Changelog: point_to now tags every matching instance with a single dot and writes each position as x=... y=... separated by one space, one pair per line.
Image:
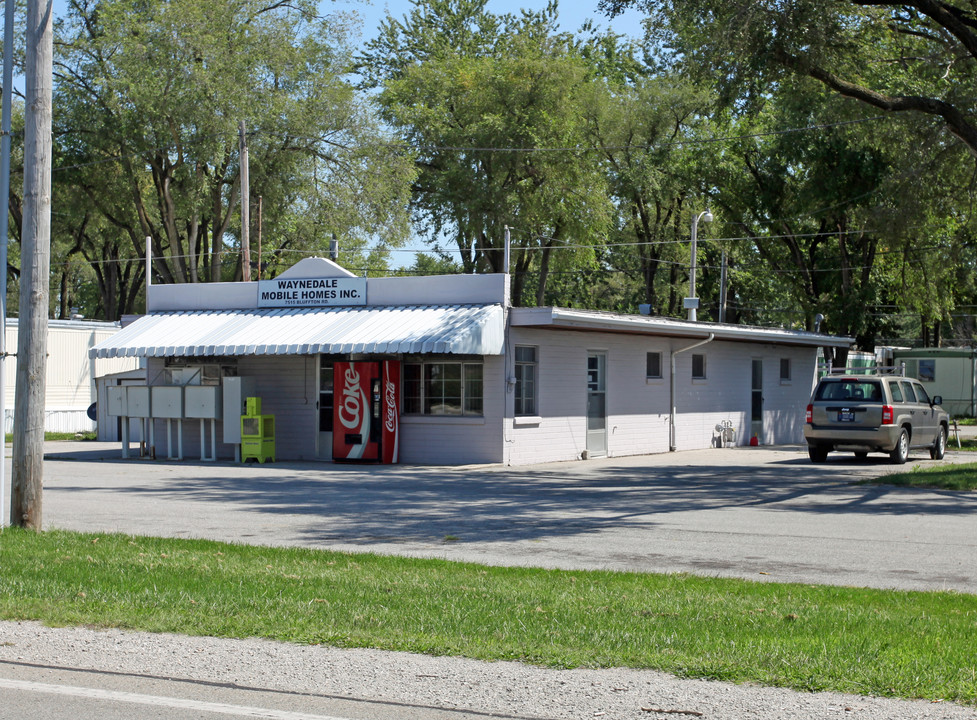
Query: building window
x=927 y=370
x=442 y=388
x=525 y=390
x=698 y=367
x=784 y=369
x=653 y=365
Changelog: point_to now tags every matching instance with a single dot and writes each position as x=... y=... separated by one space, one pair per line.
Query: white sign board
x=311 y=292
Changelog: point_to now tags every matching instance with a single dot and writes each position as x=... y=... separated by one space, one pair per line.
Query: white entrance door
x=596 y=404
x=325 y=408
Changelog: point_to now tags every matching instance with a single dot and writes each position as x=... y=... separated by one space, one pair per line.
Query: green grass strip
x=946 y=477
x=48 y=436
x=907 y=644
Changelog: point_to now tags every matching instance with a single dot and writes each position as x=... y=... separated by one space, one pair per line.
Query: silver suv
x=874 y=413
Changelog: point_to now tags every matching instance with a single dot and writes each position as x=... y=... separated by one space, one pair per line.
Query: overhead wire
x=564 y=244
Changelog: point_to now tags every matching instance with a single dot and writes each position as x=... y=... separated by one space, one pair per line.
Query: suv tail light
x=809 y=416
x=888 y=413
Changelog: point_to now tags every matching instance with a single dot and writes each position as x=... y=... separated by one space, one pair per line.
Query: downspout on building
x=671 y=389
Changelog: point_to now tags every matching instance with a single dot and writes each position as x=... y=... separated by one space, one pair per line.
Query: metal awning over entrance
x=441 y=329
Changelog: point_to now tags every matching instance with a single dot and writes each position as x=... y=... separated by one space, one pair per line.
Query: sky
x=572 y=14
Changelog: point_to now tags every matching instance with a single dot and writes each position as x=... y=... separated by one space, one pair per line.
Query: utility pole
x=28 y=453
x=258 y=265
x=245 y=208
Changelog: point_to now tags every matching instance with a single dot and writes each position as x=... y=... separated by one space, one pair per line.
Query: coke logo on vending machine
x=351 y=407
x=390 y=396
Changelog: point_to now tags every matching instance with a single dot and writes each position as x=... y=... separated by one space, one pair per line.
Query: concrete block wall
x=464 y=440
x=638 y=407
x=286 y=386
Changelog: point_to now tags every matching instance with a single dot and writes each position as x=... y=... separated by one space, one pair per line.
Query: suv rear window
x=850 y=391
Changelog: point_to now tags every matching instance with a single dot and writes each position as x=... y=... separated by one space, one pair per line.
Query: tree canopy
x=150 y=96
x=917 y=56
x=833 y=141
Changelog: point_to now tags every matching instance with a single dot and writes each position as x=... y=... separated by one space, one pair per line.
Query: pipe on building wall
x=671 y=386
x=973 y=384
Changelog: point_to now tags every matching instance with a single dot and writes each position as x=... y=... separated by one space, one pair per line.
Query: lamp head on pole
x=692 y=302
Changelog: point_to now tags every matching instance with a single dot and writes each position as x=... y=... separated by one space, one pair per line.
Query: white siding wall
x=461 y=440
x=286 y=386
x=69 y=376
x=288 y=390
x=785 y=401
x=638 y=408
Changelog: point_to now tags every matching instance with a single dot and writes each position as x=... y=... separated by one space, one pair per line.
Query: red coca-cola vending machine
x=366 y=411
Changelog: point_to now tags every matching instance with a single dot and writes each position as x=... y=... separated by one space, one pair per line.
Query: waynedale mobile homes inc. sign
x=311 y=292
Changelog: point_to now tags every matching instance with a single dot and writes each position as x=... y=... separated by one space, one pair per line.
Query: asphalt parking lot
x=765 y=514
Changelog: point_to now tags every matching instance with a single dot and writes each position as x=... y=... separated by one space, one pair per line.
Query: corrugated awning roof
x=451 y=329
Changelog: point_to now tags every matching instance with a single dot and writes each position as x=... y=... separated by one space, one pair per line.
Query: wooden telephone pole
x=28 y=452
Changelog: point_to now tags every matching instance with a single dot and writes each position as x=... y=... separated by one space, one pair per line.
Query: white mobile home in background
x=950 y=372
x=70 y=373
x=481 y=381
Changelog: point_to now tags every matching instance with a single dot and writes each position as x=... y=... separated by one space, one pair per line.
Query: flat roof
x=597 y=321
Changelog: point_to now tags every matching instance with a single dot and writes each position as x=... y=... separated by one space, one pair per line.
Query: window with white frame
x=525 y=371
x=442 y=388
x=653 y=365
x=698 y=367
x=784 y=369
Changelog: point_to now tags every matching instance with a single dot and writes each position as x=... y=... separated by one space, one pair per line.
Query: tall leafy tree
x=491 y=106
x=150 y=95
x=643 y=129
x=915 y=56
x=904 y=244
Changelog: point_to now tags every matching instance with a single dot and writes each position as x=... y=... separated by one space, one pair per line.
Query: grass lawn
x=907 y=644
x=966 y=444
x=946 y=477
x=85 y=436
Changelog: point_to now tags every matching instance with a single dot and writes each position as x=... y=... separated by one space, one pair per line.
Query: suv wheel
x=939 y=447
x=817 y=453
x=901 y=452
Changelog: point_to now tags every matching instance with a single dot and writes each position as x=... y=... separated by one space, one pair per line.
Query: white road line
x=196 y=705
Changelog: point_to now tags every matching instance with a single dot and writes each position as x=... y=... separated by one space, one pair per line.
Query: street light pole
x=692 y=302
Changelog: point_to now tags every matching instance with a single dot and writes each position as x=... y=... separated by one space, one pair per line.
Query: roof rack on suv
x=828 y=369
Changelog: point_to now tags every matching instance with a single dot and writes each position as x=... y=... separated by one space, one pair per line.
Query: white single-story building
x=478 y=381
x=69 y=375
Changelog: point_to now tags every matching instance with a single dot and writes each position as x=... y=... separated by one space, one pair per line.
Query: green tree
x=491 y=106
x=149 y=96
x=908 y=243
x=643 y=128
x=811 y=204
x=916 y=56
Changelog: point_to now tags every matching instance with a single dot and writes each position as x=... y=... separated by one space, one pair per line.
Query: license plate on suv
x=846 y=416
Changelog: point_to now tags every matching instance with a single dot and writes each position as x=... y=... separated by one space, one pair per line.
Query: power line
x=402 y=145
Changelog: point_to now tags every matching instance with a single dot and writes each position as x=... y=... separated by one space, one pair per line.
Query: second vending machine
x=366 y=411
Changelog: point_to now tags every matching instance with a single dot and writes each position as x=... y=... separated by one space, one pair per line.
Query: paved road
x=760 y=513
x=764 y=514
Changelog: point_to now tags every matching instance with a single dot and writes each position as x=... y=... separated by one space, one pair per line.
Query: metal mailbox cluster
x=173 y=403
